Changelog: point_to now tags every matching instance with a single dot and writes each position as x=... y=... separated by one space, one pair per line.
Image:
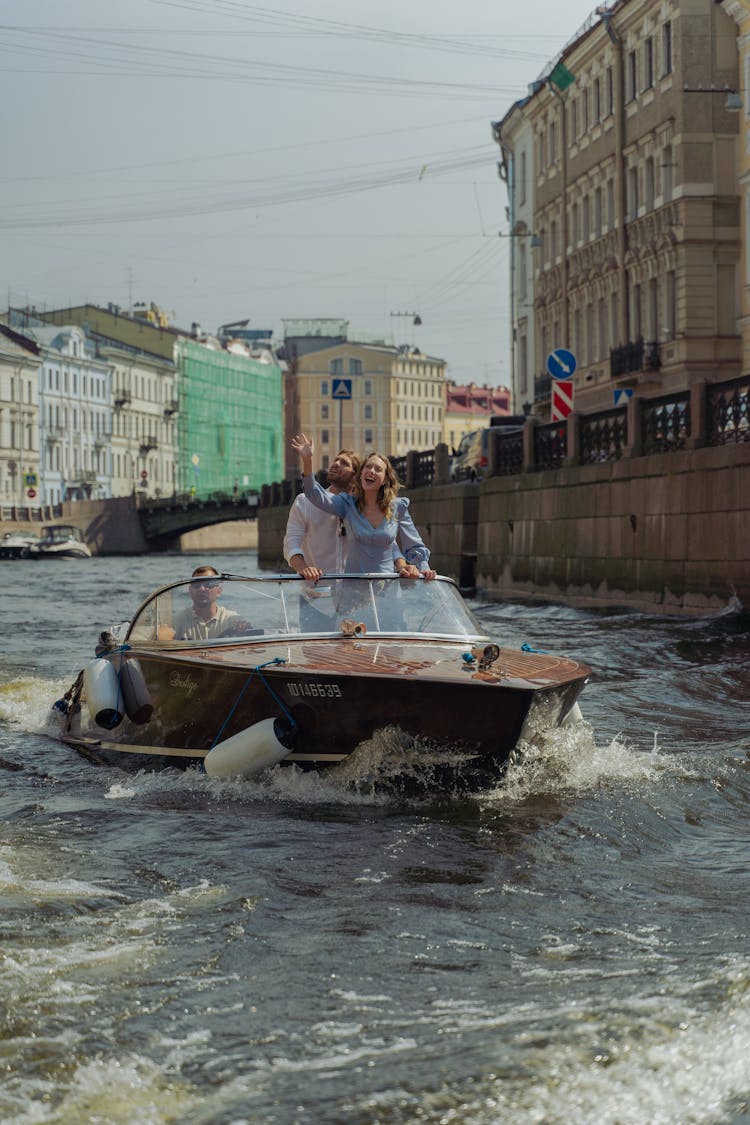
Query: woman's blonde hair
x=388 y=490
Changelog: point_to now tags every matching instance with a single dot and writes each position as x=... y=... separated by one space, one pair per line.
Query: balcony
x=121 y=398
x=542 y=388
x=171 y=408
x=147 y=444
x=54 y=434
x=633 y=358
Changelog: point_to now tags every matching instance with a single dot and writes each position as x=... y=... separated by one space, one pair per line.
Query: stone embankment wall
x=665 y=533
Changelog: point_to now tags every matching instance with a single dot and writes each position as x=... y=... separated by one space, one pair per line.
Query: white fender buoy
x=135 y=696
x=101 y=690
x=249 y=751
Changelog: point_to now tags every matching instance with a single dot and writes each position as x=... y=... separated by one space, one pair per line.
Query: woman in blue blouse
x=374 y=517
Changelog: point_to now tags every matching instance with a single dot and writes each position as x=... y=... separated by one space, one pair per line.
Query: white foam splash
x=568 y=760
x=117 y=792
x=26 y=704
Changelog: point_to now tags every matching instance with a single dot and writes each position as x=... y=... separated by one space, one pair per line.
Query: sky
x=230 y=160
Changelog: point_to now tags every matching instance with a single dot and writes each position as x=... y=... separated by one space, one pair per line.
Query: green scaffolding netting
x=230 y=421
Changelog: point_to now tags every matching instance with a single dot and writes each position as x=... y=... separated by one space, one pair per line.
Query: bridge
x=164 y=520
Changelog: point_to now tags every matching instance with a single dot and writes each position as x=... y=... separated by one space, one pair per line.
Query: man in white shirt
x=314 y=542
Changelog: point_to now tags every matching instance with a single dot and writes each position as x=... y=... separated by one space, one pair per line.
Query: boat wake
x=568 y=760
x=25 y=704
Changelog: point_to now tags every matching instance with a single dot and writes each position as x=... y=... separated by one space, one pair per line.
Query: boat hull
x=337 y=695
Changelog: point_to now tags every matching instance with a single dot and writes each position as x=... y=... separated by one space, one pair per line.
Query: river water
x=570 y=946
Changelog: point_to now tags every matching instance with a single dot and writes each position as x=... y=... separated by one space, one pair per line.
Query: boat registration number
x=319 y=690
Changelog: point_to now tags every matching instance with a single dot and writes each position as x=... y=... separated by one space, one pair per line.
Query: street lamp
x=733 y=101
x=415 y=318
x=536 y=239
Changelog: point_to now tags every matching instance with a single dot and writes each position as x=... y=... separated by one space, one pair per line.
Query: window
x=368 y=386
x=586 y=209
x=552 y=142
x=631 y=76
x=355 y=366
x=653 y=311
x=596 y=100
x=523 y=364
x=667 y=169
x=670 y=305
x=602 y=349
x=585 y=111
x=522 y=178
x=648 y=63
x=666 y=48
x=610 y=91
x=324 y=437
x=648 y=184
x=610 y=204
x=324 y=388
x=614 y=313
x=553 y=241
x=636 y=328
x=590 y=329
x=336 y=367
x=324 y=412
x=368 y=437
x=368 y=411
x=598 y=213
x=632 y=193
x=574 y=119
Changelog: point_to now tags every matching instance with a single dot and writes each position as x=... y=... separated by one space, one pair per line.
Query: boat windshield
x=61 y=533
x=230 y=608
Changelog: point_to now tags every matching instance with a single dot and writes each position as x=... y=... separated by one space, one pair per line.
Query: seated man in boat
x=205 y=619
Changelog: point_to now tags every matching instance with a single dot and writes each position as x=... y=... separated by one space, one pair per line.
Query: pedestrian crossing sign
x=342 y=388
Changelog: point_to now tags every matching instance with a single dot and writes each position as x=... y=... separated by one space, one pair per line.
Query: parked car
x=471 y=460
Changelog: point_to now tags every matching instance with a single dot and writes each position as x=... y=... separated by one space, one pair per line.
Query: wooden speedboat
x=301 y=674
x=60 y=541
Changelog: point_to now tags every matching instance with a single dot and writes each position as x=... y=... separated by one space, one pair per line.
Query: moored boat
x=280 y=670
x=17 y=544
x=60 y=541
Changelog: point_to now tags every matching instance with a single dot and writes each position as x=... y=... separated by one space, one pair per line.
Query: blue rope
x=529 y=648
x=243 y=689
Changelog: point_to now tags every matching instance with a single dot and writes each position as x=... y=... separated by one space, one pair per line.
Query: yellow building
x=366 y=397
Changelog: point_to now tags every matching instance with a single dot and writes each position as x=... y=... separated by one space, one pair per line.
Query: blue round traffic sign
x=561 y=363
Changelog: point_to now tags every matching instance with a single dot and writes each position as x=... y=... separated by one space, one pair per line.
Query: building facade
x=368 y=397
x=20 y=470
x=144 y=410
x=75 y=414
x=739 y=11
x=230 y=421
x=636 y=216
x=470 y=407
x=144 y=402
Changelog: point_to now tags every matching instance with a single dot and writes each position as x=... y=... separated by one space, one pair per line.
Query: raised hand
x=303 y=445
